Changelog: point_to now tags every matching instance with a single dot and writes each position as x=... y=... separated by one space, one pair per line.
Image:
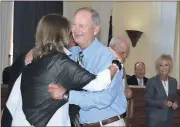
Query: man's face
x=71 y=42
x=124 y=53
x=122 y=49
x=139 y=70
x=82 y=28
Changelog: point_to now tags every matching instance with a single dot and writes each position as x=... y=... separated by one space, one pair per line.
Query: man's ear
x=96 y=29
x=111 y=45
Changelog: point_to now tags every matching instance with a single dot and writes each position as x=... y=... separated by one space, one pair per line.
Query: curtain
x=26 y=16
x=176 y=59
x=6 y=14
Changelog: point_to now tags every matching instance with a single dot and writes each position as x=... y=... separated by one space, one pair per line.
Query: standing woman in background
x=161 y=94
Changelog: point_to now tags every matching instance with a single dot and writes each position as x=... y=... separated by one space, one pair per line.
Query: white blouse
x=166 y=86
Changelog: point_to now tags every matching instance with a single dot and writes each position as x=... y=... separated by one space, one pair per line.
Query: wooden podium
x=136 y=114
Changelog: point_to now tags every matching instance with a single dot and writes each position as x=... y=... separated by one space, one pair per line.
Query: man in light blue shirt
x=97 y=106
x=107 y=106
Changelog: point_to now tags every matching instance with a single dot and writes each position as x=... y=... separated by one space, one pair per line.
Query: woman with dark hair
x=30 y=102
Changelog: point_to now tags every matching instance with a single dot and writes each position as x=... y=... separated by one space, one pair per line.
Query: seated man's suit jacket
x=38 y=105
x=132 y=80
x=155 y=96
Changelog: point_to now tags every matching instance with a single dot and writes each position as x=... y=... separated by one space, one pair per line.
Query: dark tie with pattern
x=74 y=109
x=80 y=58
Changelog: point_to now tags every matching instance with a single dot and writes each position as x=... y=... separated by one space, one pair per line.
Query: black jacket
x=38 y=105
x=16 y=70
x=132 y=80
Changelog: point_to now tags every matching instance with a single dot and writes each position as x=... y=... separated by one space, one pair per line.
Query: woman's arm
x=175 y=104
x=103 y=79
x=150 y=91
x=76 y=77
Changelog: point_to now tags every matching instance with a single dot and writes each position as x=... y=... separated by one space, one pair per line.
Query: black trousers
x=158 y=123
x=6 y=119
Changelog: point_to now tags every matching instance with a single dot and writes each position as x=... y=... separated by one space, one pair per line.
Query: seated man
x=139 y=75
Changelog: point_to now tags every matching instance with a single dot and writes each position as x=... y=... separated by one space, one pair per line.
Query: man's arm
x=98 y=100
x=87 y=100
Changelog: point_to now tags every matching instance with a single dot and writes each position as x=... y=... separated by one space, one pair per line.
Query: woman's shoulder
x=153 y=78
x=172 y=79
x=56 y=56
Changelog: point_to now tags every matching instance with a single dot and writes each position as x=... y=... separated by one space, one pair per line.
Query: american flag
x=110 y=29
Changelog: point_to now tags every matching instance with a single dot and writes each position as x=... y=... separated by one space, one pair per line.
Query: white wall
x=6 y=9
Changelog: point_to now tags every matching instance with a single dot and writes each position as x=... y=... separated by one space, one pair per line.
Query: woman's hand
x=168 y=103
x=56 y=91
x=174 y=105
x=29 y=57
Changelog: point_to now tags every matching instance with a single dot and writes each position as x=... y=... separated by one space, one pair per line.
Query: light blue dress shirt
x=97 y=106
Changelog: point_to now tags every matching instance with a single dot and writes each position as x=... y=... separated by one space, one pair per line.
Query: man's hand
x=174 y=105
x=128 y=93
x=29 y=57
x=56 y=91
x=168 y=103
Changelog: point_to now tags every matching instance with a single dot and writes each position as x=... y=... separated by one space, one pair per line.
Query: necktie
x=140 y=82
x=79 y=60
x=74 y=109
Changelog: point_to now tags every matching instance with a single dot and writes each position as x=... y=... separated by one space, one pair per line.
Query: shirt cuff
x=74 y=97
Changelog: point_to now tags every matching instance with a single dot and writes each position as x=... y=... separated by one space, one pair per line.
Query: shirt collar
x=140 y=79
x=165 y=81
x=67 y=52
x=91 y=47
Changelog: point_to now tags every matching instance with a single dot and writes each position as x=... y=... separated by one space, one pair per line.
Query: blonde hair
x=161 y=58
x=51 y=36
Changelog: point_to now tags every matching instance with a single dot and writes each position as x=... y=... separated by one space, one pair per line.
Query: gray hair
x=95 y=15
x=114 y=40
x=119 y=39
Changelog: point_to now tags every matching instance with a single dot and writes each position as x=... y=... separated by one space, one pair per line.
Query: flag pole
x=110 y=34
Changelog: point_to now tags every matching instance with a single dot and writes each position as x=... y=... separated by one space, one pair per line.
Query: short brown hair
x=51 y=36
x=161 y=58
